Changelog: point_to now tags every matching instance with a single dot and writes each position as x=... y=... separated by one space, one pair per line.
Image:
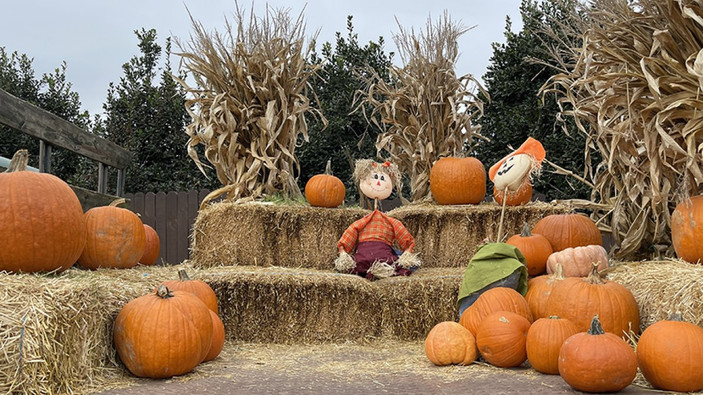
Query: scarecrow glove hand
x=344 y=262
x=409 y=260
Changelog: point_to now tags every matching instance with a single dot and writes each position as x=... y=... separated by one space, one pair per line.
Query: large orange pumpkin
x=686 y=229
x=539 y=289
x=492 y=300
x=458 y=181
x=568 y=230
x=544 y=340
x=152 y=247
x=670 y=353
x=521 y=196
x=577 y=298
x=218 y=337
x=41 y=220
x=450 y=343
x=534 y=247
x=501 y=339
x=116 y=238
x=596 y=361
x=325 y=190
x=163 y=334
x=198 y=288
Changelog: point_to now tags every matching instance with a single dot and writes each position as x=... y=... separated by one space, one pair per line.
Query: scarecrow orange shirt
x=376 y=226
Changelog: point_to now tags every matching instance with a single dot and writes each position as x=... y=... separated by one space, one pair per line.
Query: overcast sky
x=96 y=37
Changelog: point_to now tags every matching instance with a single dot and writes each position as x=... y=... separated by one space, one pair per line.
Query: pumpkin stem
x=596 y=327
x=117 y=202
x=328 y=167
x=554 y=317
x=18 y=162
x=558 y=274
x=677 y=316
x=163 y=292
x=525 y=230
x=182 y=275
x=594 y=277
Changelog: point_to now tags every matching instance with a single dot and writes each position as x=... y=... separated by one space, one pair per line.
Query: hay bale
x=662 y=288
x=448 y=236
x=257 y=234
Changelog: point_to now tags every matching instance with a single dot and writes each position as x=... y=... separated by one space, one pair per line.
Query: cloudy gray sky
x=95 y=38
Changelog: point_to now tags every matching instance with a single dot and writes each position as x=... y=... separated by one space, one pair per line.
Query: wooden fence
x=172 y=215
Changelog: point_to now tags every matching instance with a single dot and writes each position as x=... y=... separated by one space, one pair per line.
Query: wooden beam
x=34 y=121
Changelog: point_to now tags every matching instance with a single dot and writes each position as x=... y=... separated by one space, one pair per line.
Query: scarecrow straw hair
x=634 y=89
x=248 y=108
x=364 y=167
x=427 y=112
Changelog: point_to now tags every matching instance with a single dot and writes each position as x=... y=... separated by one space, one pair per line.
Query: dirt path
x=385 y=368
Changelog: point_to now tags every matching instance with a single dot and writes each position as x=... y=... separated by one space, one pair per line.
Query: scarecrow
x=498 y=264
x=371 y=239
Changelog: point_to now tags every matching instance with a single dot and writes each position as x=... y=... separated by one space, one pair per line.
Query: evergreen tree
x=348 y=136
x=516 y=111
x=149 y=120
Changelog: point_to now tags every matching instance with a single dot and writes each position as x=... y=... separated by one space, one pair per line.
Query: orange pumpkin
x=578 y=261
x=577 y=298
x=669 y=354
x=41 y=220
x=544 y=340
x=458 y=181
x=596 y=361
x=534 y=247
x=450 y=343
x=163 y=334
x=521 y=196
x=568 y=230
x=218 y=337
x=152 y=247
x=116 y=238
x=501 y=339
x=539 y=289
x=325 y=190
x=492 y=300
x=686 y=232
x=198 y=288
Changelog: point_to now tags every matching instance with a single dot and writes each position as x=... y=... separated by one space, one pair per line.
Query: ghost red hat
x=530 y=147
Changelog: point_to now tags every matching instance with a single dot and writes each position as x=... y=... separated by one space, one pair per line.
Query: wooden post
x=102 y=178
x=120 y=182
x=44 y=157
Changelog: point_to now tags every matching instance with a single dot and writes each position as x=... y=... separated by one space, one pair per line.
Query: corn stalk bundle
x=635 y=91
x=427 y=111
x=249 y=103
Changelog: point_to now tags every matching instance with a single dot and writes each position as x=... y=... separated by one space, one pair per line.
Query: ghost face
x=377 y=185
x=513 y=172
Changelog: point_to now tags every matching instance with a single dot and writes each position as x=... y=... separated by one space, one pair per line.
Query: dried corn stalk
x=427 y=112
x=635 y=91
x=249 y=103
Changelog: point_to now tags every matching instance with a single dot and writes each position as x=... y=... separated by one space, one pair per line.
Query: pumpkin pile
x=170 y=331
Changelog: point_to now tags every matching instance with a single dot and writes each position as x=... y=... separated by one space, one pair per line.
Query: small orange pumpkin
x=458 y=181
x=539 y=289
x=534 y=247
x=568 y=230
x=218 y=337
x=42 y=226
x=521 y=196
x=325 y=190
x=597 y=361
x=152 y=247
x=116 y=238
x=686 y=232
x=492 y=300
x=163 y=334
x=669 y=354
x=544 y=340
x=577 y=298
x=578 y=261
x=198 y=288
x=501 y=339
x=450 y=343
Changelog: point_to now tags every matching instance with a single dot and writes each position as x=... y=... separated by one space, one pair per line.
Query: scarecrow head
x=514 y=170
x=376 y=180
